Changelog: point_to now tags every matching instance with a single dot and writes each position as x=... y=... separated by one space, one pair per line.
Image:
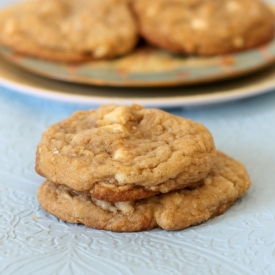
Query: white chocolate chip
x=119 y=154
x=55 y=151
x=121 y=178
x=115 y=128
x=105 y=205
x=66 y=195
x=232 y=6
x=199 y=24
x=125 y=207
x=100 y=52
x=9 y=26
x=116 y=116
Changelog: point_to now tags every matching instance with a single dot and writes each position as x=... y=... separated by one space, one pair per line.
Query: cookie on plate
x=204 y=27
x=121 y=153
x=213 y=195
x=69 y=30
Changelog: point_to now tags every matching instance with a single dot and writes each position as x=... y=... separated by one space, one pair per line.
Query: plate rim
x=163 y=102
x=268 y=59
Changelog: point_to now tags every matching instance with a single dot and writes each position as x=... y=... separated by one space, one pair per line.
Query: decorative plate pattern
x=22 y=81
x=148 y=66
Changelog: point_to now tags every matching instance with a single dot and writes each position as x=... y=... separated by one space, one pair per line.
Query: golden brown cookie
x=69 y=30
x=176 y=210
x=205 y=27
x=121 y=153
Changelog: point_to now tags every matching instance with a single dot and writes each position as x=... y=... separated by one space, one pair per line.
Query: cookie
x=204 y=27
x=121 y=153
x=176 y=210
x=69 y=30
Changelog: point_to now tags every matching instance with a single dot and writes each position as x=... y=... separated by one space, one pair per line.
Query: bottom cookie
x=176 y=210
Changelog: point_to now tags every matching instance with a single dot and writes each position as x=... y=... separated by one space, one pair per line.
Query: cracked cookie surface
x=205 y=27
x=121 y=153
x=69 y=30
x=227 y=181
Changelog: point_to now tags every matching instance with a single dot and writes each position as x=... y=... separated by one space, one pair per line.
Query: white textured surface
x=242 y=241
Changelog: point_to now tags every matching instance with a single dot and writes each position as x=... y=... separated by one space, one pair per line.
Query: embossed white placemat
x=242 y=241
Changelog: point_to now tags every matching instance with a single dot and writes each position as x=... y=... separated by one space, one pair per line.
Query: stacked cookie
x=79 y=30
x=126 y=168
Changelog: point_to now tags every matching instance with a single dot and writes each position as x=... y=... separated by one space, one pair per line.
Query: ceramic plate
x=21 y=81
x=148 y=66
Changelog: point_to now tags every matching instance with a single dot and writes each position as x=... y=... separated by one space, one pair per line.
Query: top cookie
x=69 y=30
x=205 y=27
x=125 y=147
